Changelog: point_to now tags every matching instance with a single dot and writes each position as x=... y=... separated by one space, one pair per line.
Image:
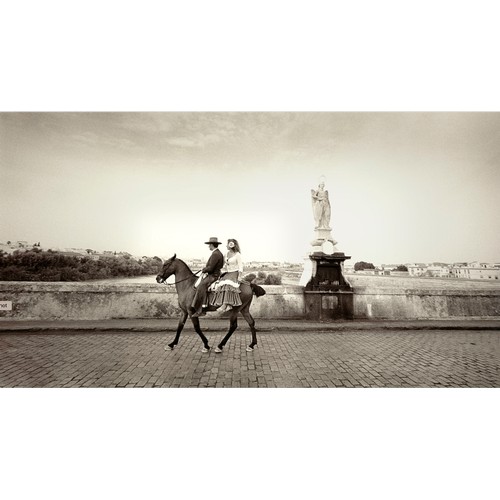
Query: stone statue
x=321 y=207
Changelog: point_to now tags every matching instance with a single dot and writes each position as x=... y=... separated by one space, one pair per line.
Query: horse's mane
x=188 y=268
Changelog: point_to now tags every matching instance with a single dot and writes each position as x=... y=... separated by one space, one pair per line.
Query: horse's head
x=167 y=270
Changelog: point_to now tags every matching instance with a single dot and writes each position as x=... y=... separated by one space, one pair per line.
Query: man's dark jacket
x=214 y=263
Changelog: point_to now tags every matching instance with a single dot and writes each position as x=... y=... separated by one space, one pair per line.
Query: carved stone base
x=327 y=293
x=323 y=233
x=328 y=306
x=324 y=246
x=323 y=241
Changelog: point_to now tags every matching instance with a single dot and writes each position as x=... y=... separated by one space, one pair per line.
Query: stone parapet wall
x=374 y=298
x=92 y=301
x=421 y=283
x=380 y=297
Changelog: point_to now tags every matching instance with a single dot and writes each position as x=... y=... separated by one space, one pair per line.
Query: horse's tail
x=257 y=290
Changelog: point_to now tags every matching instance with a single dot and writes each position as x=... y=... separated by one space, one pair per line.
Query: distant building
x=195 y=263
x=476 y=271
x=388 y=267
x=269 y=265
x=439 y=270
x=416 y=269
x=392 y=270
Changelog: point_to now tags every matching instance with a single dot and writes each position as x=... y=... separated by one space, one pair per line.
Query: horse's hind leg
x=180 y=326
x=233 y=324
x=251 y=323
x=196 y=324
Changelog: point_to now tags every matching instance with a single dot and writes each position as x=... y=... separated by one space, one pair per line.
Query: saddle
x=216 y=284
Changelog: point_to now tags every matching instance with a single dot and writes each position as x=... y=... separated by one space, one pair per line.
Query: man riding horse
x=210 y=274
x=191 y=298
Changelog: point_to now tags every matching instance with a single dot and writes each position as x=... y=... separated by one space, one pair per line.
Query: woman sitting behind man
x=227 y=289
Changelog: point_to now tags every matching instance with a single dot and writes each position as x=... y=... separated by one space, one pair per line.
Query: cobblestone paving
x=282 y=359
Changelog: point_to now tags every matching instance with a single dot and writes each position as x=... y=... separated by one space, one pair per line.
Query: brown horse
x=184 y=283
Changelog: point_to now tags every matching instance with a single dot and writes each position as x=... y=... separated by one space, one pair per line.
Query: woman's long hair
x=236 y=247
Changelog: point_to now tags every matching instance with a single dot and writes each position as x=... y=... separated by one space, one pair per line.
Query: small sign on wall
x=5 y=305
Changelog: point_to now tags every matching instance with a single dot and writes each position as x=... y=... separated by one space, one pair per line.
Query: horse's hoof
x=250 y=348
x=218 y=349
x=205 y=349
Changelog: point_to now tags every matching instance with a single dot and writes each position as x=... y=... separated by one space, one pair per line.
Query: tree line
x=361 y=266
x=50 y=265
x=261 y=278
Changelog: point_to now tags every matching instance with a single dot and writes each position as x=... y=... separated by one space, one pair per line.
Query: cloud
x=196 y=141
x=181 y=142
x=86 y=137
x=150 y=123
x=93 y=139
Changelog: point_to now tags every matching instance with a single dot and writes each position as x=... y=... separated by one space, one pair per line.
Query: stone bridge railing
x=374 y=298
x=90 y=301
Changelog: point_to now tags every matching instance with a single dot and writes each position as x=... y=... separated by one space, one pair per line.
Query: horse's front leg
x=196 y=324
x=180 y=326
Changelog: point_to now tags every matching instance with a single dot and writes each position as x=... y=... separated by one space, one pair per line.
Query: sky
x=403 y=187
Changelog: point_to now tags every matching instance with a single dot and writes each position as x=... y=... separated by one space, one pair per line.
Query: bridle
x=180 y=281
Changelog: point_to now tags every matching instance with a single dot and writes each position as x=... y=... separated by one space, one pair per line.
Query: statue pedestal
x=323 y=241
x=323 y=233
x=328 y=294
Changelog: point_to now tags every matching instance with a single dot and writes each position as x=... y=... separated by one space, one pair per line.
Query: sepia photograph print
x=250 y=249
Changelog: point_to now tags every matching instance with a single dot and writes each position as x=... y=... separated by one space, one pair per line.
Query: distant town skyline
x=404 y=187
x=24 y=245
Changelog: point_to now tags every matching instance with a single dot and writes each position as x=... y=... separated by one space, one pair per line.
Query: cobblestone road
x=282 y=359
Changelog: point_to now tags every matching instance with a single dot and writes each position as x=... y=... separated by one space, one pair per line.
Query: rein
x=180 y=281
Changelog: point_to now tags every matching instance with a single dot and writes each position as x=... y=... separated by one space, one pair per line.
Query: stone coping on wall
x=364 y=285
x=429 y=292
x=406 y=283
x=96 y=301
x=89 y=287
x=84 y=287
x=374 y=297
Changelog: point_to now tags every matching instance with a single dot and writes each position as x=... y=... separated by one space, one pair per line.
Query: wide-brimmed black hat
x=213 y=241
